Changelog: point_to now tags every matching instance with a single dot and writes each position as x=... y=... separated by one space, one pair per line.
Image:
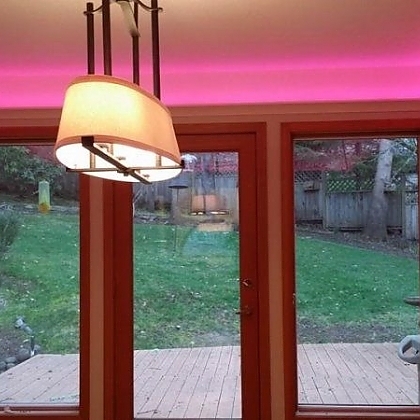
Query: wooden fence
x=349 y=210
x=313 y=203
x=162 y=195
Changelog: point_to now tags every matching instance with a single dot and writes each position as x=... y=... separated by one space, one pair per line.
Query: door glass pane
x=39 y=279
x=356 y=214
x=187 y=362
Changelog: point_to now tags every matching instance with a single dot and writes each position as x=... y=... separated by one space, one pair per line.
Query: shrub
x=9 y=229
x=20 y=170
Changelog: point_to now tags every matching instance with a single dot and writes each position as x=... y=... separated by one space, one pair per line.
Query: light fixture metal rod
x=106 y=37
x=90 y=38
x=155 y=48
x=88 y=142
x=135 y=47
x=126 y=170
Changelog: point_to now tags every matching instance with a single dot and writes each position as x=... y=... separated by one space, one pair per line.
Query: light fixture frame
x=87 y=141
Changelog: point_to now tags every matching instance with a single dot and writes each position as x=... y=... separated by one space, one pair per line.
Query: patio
x=204 y=382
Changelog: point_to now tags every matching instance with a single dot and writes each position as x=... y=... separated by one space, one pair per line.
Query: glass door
x=186 y=297
x=196 y=301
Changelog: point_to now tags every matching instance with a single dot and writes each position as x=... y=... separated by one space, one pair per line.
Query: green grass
x=338 y=283
x=185 y=294
x=186 y=284
x=186 y=287
x=39 y=280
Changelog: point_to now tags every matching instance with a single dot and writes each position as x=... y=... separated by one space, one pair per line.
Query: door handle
x=245 y=310
x=246 y=282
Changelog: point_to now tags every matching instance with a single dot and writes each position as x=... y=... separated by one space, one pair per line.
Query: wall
x=273 y=116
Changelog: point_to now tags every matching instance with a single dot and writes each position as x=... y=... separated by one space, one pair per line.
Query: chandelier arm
x=152 y=8
x=90 y=38
x=139 y=3
x=155 y=49
x=135 y=47
x=106 y=37
x=93 y=11
x=127 y=169
x=129 y=172
x=89 y=144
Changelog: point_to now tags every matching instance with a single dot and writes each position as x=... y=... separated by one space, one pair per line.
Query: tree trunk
x=376 y=226
x=208 y=181
x=150 y=198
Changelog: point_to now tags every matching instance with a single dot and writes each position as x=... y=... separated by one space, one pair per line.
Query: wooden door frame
x=249 y=140
x=328 y=130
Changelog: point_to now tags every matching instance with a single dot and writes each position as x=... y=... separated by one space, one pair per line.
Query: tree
x=208 y=182
x=20 y=171
x=10 y=223
x=376 y=226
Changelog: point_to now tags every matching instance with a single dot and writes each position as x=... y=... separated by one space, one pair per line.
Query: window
x=348 y=291
x=40 y=295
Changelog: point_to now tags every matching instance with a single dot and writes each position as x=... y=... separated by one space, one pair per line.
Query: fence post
x=323 y=199
x=403 y=207
x=44 y=205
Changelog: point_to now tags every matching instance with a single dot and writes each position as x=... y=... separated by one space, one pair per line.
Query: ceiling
x=223 y=52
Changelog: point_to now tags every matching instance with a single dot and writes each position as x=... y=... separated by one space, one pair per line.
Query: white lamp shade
x=124 y=120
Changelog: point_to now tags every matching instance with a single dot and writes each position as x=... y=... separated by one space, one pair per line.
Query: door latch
x=245 y=310
x=246 y=282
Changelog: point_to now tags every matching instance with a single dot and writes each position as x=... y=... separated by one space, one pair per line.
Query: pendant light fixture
x=110 y=127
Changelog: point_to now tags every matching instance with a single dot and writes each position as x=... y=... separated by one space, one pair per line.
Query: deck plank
x=185 y=397
x=210 y=405
x=39 y=380
x=230 y=388
x=196 y=403
x=147 y=382
x=361 y=373
x=206 y=382
x=173 y=392
x=308 y=391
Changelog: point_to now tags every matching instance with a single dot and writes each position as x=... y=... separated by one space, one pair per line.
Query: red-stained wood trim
x=359 y=128
x=84 y=234
x=122 y=301
x=110 y=398
x=45 y=135
x=306 y=131
x=288 y=272
x=42 y=415
x=118 y=296
x=357 y=412
x=219 y=129
x=249 y=140
x=33 y=135
x=262 y=263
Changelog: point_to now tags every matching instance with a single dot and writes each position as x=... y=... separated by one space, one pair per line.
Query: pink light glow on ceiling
x=230 y=87
x=218 y=52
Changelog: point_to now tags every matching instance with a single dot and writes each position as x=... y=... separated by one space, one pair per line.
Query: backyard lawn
x=186 y=286
x=348 y=293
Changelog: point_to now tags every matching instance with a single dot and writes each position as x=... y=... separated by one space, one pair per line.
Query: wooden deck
x=347 y=373
x=205 y=382
x=188 y=383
